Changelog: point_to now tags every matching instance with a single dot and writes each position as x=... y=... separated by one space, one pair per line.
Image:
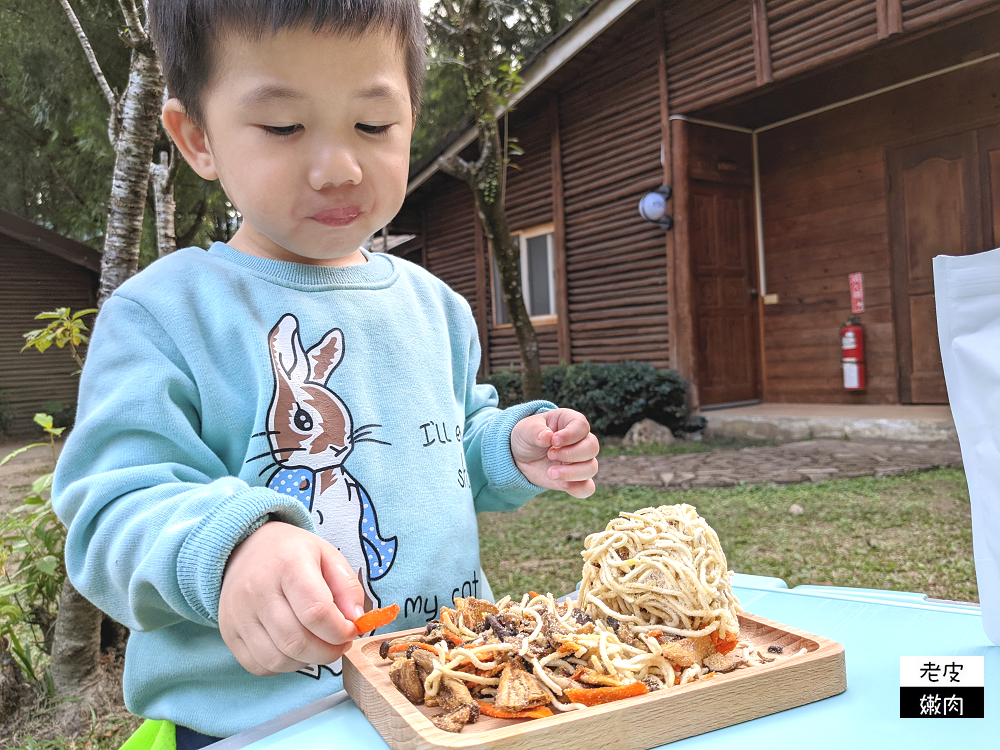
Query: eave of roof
x=561 y=49
x=50 y=242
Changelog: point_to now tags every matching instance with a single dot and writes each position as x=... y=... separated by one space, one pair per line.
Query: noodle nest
x=660 y=569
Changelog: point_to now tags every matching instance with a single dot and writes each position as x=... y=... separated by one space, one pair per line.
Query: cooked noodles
x=660 y=569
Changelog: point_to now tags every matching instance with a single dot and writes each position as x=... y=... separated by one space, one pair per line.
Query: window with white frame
x=538 y=276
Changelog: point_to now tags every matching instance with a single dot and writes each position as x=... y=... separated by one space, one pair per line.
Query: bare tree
x=466 y=26
x=132 y=130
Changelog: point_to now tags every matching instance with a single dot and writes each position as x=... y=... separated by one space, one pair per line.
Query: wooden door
x=724 y=292
x=941 y=202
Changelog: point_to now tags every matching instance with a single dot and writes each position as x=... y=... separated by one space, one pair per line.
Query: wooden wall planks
x=824 y=189
x=610 y=124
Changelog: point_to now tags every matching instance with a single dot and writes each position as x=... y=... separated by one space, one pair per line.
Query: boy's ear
x=189 y=139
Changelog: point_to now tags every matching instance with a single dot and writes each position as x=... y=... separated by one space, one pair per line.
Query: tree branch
x=132 y=20
x=94 y=65
x=485 y=154
x=458 y=167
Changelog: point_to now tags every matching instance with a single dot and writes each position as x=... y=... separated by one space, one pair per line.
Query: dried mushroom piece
x=519 y=691
x=384 y=646
x=407 y=680
x=456 y=719
x=451 y=694
x=727 y=663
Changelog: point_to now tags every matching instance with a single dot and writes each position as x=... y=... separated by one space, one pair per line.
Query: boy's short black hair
x=185 y=31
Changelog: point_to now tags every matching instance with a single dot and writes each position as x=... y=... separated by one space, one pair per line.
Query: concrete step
x=788 y=422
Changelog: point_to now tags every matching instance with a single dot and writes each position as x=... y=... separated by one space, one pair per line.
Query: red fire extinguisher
x=852 y=357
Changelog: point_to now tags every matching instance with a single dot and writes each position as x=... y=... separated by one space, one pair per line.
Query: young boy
x=285 y=431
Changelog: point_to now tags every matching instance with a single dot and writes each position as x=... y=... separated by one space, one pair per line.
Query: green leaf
x=57 y=315
x=19 y=451
x=33 y=500
x=47 y=565
x=81 y=313
x=42 y=484
x=43 y=420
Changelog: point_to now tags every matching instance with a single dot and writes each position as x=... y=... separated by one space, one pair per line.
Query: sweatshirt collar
x=379 y=272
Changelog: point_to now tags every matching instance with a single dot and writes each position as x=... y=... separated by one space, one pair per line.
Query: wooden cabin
x=804 y=141
x=39 y=271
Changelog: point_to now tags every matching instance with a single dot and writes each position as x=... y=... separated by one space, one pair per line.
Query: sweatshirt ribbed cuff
x=203 y=556
x=498 y=462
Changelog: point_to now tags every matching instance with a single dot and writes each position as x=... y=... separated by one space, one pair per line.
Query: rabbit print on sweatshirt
x=311 y=434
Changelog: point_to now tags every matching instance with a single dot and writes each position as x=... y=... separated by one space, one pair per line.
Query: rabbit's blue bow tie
x=379 y=552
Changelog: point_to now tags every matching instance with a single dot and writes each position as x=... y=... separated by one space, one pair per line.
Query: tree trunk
x=508 y=258
x=132 y=128
x=162 y=175
x=468 y=24
x=140 y=111
x=76 y=656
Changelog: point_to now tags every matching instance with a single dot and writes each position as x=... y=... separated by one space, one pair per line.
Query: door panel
x=935 y=209
x=724 y=271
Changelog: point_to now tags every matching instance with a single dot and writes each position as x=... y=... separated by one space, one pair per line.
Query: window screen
x=538 y=275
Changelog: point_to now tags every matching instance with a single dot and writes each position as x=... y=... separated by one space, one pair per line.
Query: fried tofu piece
x=405 y=677
x=688 y=651
x=456 y=719
x=519 y=691
x=593 y=677
x=473 y=611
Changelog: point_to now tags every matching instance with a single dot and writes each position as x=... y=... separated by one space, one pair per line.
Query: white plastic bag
x=967 y=291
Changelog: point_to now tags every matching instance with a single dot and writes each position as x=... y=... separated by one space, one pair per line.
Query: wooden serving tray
x=632 y=724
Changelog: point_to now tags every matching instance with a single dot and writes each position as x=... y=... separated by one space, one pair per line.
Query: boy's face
x=309 y=134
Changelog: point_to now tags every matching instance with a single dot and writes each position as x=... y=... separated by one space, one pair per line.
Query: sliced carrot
x=654 y=633
x=455 y=640
x=532 y=713
x=597 y=696
x=377 y=618
x=725 y=645
x=533 y=594
x=404 y=646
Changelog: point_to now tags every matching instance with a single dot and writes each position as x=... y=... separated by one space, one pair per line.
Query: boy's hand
x=288 y=599
x=556 y=450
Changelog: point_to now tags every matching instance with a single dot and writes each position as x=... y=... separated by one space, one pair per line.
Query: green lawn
x=909 y=533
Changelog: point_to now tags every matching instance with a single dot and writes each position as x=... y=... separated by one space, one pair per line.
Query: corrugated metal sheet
x=616 y=261
x=804 y=31
x=709 y=53
x=33 y=281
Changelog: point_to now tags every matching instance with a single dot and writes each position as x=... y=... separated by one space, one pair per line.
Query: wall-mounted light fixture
x=653 y=207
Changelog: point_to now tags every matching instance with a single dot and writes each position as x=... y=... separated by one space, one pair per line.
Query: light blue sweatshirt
x=222 y=390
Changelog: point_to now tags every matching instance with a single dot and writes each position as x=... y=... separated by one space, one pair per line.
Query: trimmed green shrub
x=613 y=396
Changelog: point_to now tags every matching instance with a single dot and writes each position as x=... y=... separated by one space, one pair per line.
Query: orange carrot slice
x=377 y=618
x=725 y=645
x=404 y=646
x=533 y=713
x=597 y=696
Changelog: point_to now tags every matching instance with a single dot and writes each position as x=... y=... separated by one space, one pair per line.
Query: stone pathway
x=791 y=463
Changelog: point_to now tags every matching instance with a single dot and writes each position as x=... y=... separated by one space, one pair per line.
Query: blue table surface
x=875 y=628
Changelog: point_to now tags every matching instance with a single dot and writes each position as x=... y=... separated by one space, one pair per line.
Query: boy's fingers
x=292 y=640
x=239 y=648
x=580 y=489
x=571 y=427
x=345 y=586
x=574 y=472
x=584 y=450
x=312 y=603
